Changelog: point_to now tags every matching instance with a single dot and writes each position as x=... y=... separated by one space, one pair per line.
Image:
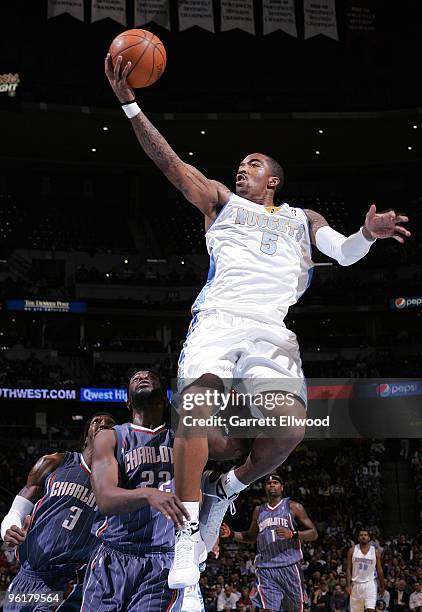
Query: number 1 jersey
x=272 y=549
x=145 y=458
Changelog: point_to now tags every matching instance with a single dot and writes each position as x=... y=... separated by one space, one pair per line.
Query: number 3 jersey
x=145 y=458
x=61 y=523
x=260 y=260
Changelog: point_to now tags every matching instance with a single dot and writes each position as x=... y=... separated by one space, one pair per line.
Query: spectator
x=403 y=546
x=415 y=599
x=321 y=598
x=386 y=598
x=339 y=600
x=245 y=600
x=400 y=597
x=227 y=600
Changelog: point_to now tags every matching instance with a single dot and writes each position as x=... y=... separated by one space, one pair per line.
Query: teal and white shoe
x=215 y=504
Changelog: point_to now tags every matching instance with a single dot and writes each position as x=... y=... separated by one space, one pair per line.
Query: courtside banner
x=93 y=394
x=245 y=408
x=45 y=306
x=287 y=407
x=391 y=389
x=19 y=393
x=401 y=303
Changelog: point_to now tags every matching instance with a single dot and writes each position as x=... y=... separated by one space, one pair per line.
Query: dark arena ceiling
x=60 y=60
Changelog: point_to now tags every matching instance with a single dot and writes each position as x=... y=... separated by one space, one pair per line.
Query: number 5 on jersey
x=269 y=243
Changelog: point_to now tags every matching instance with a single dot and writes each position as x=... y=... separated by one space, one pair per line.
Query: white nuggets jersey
x=363 y=566
x=260 y=260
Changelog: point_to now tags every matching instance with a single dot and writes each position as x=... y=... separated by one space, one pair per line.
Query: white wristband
x=131 y=110
x=20 y=508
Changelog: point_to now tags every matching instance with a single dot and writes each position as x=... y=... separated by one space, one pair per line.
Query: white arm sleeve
x=346 y=250
x=20 y=508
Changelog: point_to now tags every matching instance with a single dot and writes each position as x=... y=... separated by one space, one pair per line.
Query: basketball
x=145 y=51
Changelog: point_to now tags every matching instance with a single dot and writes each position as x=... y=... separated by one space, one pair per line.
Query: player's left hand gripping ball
x=144 y=51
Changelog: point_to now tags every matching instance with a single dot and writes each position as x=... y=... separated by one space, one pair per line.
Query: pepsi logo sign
x=384 y=390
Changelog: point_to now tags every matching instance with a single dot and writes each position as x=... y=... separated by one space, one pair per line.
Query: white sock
x=231 y=484
x=193 y=510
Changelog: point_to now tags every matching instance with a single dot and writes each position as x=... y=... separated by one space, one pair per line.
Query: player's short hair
x=150 y=370
x=276 y=170
x=88 y=425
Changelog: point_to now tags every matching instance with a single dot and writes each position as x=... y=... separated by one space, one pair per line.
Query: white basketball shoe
x=215 y=504
x=189 y=552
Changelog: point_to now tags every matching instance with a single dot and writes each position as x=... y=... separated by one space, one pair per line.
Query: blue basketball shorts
x=120 y=581
x=28 y=581
x=280 y=588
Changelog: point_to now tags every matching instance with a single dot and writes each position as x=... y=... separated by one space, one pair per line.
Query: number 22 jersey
x=145 y=458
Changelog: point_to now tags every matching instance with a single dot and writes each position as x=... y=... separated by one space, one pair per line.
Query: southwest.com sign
x=38 y=394
x=400 y=303
x=83 y=394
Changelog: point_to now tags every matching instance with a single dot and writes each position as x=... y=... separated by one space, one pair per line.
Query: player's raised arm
x=112 y=499
x=243 y=537
x=16 y=523
x=204 y=193
x=348 y=250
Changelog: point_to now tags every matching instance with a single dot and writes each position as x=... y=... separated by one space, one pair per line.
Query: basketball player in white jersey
x=260 y=264
x=363 y=568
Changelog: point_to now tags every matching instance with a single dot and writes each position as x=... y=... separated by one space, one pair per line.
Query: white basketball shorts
x=364 y=595
x=251 y=356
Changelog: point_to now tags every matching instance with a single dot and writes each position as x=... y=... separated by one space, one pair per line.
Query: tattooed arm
x=209 y=196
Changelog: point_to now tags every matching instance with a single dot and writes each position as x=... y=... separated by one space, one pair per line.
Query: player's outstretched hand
x=117 y=77
x=225 y=531
x=169 y=505
x=15 y=535
x=386 y=224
